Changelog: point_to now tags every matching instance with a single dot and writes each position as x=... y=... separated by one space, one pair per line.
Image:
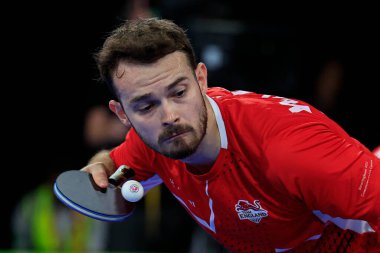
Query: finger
x=99 y=174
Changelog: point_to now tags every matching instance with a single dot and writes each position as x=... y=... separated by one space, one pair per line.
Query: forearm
x=104 y=158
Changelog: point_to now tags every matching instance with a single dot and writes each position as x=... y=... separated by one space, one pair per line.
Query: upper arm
x=328 y=171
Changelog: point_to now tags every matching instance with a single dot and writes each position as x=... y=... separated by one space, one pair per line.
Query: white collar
x=219 y=122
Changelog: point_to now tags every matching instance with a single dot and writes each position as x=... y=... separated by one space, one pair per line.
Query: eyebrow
x=148 y=95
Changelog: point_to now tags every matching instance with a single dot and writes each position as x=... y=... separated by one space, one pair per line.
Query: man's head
x=141 y=41
x=151 y=67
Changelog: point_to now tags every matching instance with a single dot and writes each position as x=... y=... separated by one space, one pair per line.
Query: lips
x=173 y=132
x=174 y=136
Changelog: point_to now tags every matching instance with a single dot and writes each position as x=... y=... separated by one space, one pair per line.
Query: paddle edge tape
x=87 y=212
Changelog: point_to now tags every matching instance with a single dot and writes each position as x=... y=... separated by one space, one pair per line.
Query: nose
x=169 y=113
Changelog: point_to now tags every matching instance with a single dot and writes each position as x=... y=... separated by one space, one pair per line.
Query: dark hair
x=141 y=41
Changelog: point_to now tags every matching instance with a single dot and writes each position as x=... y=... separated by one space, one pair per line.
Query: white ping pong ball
x=132 y=191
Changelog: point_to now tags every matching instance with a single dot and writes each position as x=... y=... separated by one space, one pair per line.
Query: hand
x=99 y=172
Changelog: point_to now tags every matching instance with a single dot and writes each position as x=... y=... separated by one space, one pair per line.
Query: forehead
x=130 y=77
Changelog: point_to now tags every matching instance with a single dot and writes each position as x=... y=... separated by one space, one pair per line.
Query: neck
x=209 y=147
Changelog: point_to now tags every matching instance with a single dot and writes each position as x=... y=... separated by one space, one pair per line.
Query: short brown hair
x=141 y=41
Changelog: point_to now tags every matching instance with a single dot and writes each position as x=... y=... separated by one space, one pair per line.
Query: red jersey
x=287 y=179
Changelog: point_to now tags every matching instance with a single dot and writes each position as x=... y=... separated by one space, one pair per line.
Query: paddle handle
x=122 y=174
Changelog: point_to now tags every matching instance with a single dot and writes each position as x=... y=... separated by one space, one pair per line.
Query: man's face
x=164 y=103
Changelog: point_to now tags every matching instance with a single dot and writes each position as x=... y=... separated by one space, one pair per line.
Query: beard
x=179 y=148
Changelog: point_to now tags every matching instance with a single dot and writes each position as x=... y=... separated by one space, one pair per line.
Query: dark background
x=49 y=73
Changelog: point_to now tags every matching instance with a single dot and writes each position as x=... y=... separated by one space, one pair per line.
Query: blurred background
x=56 y=116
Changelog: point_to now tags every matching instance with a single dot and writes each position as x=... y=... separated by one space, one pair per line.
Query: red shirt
x=287 y=178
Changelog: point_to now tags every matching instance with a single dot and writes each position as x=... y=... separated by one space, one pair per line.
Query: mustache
x=173 y=130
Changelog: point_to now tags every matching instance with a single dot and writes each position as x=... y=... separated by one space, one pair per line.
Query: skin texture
x=166 y=104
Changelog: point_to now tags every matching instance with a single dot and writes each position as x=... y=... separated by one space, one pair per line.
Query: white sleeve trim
x=282 y=250
x=358 y=226
x=151 y=182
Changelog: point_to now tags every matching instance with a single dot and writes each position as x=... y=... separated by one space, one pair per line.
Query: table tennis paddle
x=77 y=190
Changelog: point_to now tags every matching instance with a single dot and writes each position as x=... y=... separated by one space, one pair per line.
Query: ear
x=201 y=73
x=116 y=108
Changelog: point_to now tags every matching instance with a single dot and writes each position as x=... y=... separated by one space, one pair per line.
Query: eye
x=180 y=93
x=145 y=108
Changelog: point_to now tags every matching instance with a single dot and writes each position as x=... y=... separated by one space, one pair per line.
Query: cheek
x=193 y=105
x=147 y=128
x=197 y=108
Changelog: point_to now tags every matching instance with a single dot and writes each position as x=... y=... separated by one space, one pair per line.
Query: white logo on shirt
x=294 y=107
x=192 y=203
x=253 y=212
x=240 y=92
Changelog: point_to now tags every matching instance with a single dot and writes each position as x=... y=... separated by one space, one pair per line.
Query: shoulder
x=262 y=102
x=261 y=112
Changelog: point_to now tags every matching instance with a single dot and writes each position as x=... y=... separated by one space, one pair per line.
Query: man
x=259 y=173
